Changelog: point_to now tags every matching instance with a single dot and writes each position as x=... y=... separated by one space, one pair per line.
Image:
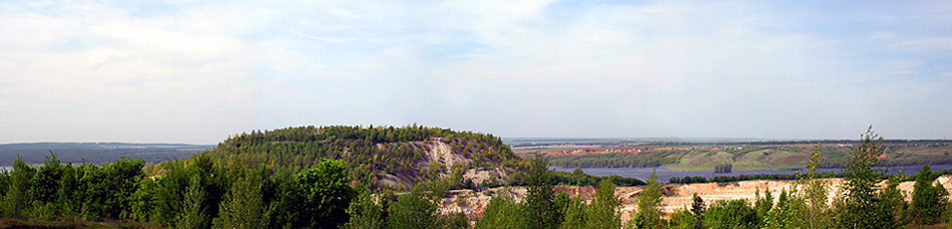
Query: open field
x=703 y=156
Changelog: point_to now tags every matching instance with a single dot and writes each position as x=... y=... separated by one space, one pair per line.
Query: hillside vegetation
x=375 y=156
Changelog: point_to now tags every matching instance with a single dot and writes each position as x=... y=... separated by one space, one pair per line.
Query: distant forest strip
x=615 y=160
x=97 y=153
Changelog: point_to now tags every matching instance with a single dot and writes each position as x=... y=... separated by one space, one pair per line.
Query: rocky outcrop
x=440 y=155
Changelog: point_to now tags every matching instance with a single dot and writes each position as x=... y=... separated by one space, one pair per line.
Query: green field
x=702 y=156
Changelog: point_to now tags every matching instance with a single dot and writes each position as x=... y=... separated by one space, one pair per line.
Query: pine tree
x=365 y=213
x=540 y=204
x=764 y=203
x=242 y=206
x=16 y=202
x=574 y=214
x=649 y=205
x=698 y=209
x=928 y=199
x=415 y=210
x=815 y=193
x=603 y=211
x=864 y=206
x=503 y=212
x=194 y=214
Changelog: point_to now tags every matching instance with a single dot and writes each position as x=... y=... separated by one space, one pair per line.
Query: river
x=664 y=173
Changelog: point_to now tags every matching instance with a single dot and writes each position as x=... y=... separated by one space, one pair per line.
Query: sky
x=186 y=71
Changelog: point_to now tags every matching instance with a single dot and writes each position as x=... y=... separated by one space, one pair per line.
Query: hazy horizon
x=197 y=72
x=511 y=139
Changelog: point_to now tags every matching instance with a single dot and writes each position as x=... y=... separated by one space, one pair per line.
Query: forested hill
x=377 y=156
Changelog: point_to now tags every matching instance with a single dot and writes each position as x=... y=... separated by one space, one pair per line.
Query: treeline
x=579 y=178
x=723 y=168
x=615 y=160
x=193 y=193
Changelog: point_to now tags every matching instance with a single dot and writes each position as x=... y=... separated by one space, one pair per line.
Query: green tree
x=789 y=212
x=327 y=194
x=603 y=211
x=69 y=196
x=929 y=199
x=682 y=219
x=144 y=200
x=815 y=193
x=4 y=185
x=649 y=205
x=44 y=187
x=698 y=209
x=286 y=201
x=574 y=214
x=863 y=206
x=416 y=209
x=733 y=214
x=764 y=203
x=540 y=197
x=456 y=220
x=365 y=213
x=893 y=201
x=242 y=206
x=16 y=202
x=503 y=212
x=194 y=213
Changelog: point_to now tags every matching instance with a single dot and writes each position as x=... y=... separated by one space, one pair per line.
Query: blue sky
x=199 y=71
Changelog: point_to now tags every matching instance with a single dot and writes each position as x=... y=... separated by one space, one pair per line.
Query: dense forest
x=616 y=160
x=264 y=180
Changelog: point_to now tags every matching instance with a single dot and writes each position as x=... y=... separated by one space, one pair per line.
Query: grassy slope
x=703 y=157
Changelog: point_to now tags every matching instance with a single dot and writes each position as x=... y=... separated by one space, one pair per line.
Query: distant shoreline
x=665 y=173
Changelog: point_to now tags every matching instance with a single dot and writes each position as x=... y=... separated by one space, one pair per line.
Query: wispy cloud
x=196 y=72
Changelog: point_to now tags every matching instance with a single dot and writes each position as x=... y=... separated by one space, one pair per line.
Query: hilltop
x=378 y=156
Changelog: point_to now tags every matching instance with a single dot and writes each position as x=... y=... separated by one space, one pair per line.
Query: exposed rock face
x=675 y=197
x=439 y=154
x=480 y=175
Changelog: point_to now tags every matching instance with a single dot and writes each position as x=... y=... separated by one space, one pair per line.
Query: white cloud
x=528 y=68
x=147 y=75
x=882 y=35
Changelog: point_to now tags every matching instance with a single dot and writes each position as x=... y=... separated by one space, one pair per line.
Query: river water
x=664 y=173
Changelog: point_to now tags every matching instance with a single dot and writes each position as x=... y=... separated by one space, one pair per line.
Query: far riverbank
x=665 y=173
